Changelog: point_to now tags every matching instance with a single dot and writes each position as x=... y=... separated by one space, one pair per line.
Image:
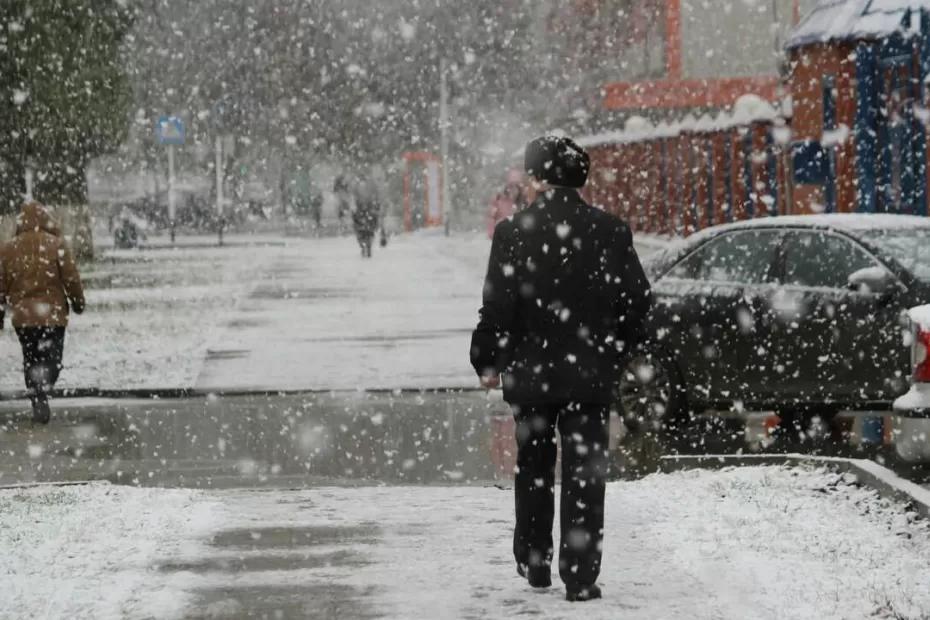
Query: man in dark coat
x=367 y=215
x=564 y=300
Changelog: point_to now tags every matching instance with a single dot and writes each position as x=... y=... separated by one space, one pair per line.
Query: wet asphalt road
x=216 y=442
x=314 y=439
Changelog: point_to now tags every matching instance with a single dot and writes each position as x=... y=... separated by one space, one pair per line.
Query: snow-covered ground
x=150 y=317
x=326 y=319
x=275 y=313
x=762 y=542
x=87 y=551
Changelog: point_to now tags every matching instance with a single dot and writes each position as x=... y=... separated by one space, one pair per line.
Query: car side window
x=822 y=259
x=743 y=257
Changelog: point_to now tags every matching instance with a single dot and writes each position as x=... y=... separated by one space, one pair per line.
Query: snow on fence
x=679 y=178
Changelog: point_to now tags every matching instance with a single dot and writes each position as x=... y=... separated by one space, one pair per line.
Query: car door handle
x=758 y=308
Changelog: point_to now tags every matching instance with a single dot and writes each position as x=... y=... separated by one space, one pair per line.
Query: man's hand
x=490 y=381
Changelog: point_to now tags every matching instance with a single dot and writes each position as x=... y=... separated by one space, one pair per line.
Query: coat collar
x=556 y=197
x=34 y=218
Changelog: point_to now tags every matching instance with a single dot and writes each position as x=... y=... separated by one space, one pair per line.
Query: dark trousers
x=43 y=348
x=584 y=433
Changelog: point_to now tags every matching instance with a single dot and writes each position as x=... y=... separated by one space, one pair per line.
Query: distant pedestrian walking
x=39 y=285
x=565 y=299
x=366 y=217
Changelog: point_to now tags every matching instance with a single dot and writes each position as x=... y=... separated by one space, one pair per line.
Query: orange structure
x=433 y=209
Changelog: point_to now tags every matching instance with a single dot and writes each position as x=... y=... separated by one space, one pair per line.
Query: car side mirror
x=872 y=281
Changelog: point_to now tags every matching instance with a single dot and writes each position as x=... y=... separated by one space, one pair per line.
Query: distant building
x=751 y=117
x=858 y=82
x=704 y=54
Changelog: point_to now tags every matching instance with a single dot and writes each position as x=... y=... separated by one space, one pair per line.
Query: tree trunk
x=62 y=186
x=12 y=186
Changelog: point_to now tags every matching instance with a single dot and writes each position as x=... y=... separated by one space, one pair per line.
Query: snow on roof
x=637 y=124
x=833 y=20
x=748 y=109
x=705 y=123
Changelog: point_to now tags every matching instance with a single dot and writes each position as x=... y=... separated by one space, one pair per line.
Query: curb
x=178 y=393
x=42 y=485
x=887 y=483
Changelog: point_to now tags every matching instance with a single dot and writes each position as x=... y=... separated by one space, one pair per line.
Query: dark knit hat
x=557 y=161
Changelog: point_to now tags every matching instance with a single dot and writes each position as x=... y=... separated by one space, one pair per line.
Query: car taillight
x=921 y=359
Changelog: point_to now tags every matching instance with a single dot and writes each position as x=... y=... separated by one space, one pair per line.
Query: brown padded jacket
x=39 y=279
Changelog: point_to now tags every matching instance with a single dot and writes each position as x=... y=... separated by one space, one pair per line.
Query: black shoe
x=537 y=576
x=41 y=412
x=578 y=594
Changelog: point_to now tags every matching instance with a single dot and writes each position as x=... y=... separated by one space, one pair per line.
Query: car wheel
x=651 y=394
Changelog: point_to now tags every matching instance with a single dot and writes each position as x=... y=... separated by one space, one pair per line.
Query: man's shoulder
x=605 y=222
x=506 y=226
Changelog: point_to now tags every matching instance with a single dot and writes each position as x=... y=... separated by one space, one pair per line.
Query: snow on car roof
x=835 y=221
x=833 y=20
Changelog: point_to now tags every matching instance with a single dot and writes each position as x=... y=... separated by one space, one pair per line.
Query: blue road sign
x=170 y=130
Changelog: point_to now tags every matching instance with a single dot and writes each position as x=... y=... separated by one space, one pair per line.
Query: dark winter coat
x=565 y=298
x=39 y=279
x=366 y=217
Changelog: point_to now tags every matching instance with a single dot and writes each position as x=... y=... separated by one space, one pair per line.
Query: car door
x=707 y=310
x=836 y=340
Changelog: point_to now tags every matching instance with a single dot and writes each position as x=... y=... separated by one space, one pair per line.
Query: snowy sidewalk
x=323 y=318
x=275 y=313
x=761 y=542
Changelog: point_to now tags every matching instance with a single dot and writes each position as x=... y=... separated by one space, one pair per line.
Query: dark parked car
x=801 y=315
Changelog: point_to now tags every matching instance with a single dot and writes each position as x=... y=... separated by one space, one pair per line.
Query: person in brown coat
x=39 y=286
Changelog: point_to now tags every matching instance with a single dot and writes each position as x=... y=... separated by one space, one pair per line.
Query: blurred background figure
x=40 y=284
x=343 y=194
x=129 y=231
x=508 y=202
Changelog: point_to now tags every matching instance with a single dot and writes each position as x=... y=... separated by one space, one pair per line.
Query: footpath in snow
x=323 y=318
x=763 y=542
x=274 y=313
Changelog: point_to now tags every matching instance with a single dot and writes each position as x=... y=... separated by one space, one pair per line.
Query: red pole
x=408 y=222
x=673 y=39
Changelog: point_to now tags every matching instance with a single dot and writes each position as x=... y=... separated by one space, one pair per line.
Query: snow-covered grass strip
x=87 y=551
x=868 y=473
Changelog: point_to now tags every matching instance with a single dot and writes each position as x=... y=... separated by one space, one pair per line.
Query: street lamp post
x=220 y=217
x=170 y=132
x=219 y=123
x=444 y=142
x=172 y=205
